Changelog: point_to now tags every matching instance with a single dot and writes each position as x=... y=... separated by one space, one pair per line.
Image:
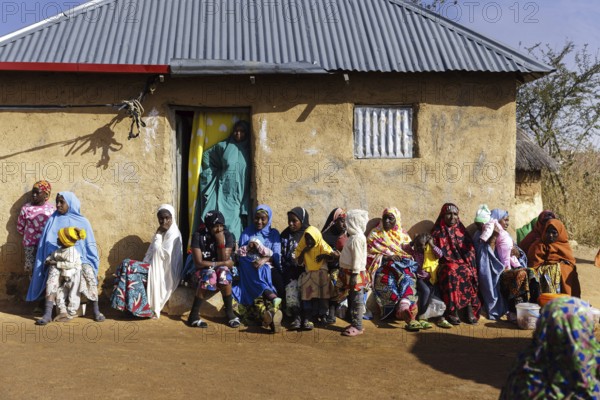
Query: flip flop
x=198 y=324
x=234 y=323
x=425 y=324
x=353 y=331
x=444 y=324
x=413 y=326
x=62 y=317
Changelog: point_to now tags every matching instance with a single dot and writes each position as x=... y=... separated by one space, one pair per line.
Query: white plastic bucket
x=527 y=315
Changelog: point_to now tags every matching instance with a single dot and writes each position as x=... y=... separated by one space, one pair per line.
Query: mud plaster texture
x=302 y=140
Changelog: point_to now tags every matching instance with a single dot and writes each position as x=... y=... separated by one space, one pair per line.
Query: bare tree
x=562 y=110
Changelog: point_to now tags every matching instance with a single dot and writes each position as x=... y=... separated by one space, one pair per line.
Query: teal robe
x=225 y=184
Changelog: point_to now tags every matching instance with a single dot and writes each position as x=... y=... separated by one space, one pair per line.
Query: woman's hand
x=220 y=238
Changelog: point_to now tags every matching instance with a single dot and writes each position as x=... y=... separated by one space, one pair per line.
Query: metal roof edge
x=55 y=18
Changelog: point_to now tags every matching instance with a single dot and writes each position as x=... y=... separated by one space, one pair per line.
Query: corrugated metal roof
x=333 y=35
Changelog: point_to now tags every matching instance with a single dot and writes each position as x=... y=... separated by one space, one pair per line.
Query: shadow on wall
x=477 y=353
x=424 y=226
x=11 y=253
x=102 y=140
x=132 y=247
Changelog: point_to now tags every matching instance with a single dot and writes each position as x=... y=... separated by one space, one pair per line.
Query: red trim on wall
x=78 y=67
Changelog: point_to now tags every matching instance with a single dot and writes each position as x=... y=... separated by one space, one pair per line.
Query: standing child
x=298 y=221
x=313 y=252
x=353 y=277
x=65 y=263
x=32 y=219
x=334 y=234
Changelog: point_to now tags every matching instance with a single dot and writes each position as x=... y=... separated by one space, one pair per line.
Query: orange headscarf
x=541 y=253
x=538 y=229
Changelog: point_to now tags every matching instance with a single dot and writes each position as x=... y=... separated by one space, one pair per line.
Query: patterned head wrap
x=387 y=243
x=43 y=186
x=213 y=218
x=334 y=215
x=563 y=357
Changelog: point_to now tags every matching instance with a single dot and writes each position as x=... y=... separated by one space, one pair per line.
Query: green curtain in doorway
x=208 y=129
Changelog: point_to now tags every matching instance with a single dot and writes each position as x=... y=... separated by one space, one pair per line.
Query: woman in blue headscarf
x=255 y=275
x=67 y=214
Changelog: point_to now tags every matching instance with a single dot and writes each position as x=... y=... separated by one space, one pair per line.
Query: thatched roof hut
x=531 y=160
x=530 y=156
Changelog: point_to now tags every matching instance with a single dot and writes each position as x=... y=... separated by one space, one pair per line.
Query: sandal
x=295 y=325
x=444 y=324
x=453 y=319
x=308 y=326
x=413 y=326
x=234 y=323
x=353 y=331
x=276 y=324
x=62 y=317
x=425 y=324
x=471 y=318
x=198 y=324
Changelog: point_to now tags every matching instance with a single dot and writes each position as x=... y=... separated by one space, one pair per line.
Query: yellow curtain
x=208 y=129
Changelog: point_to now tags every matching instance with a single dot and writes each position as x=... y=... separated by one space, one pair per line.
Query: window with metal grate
x=383 y=132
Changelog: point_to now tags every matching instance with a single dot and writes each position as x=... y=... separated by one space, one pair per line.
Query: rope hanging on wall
x=133 y=107
x=135 y=110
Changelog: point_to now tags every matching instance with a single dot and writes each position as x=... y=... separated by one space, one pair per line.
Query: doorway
x=197 y=130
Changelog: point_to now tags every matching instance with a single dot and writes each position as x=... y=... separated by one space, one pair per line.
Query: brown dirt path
x=158 y=359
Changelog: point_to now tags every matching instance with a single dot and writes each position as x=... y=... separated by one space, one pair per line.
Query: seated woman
x=515 y=277
x=553 y=261
x=537 y=231
x=503 y=278
x=67 y=214
x=457 y=277
x=562 y=361
x=255 y=291
x=393 y=270
x=144 y=287
x=212 y=245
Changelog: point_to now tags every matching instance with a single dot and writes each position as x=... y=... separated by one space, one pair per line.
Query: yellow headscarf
x=321 y=247
x=387 y=243
x=68 y=236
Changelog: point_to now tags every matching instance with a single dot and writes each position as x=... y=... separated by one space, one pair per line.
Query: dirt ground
x=123 y=358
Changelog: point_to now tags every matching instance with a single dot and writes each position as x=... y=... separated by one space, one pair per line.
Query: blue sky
x=517 y=23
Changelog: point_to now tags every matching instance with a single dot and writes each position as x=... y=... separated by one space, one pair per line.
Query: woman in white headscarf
x=144 y=287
